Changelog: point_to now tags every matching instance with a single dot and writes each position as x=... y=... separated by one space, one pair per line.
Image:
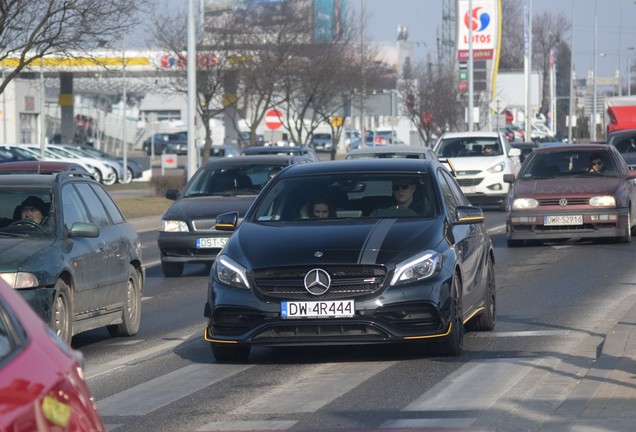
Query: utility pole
x=192 y=93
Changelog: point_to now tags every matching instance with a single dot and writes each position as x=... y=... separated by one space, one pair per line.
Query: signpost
x=273 y=119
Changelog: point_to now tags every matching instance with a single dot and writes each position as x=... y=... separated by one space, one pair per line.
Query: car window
x=73 y=209
x=468 y=147
x=241 y=180
x=96 y=208
x=11 y=208
x=113 y=211
x=450 y=196
x=348 y=196
x=567 y=163
x=12 y=334
x=625 y=145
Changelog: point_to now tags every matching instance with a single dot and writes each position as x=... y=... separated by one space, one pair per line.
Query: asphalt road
x=555 y=304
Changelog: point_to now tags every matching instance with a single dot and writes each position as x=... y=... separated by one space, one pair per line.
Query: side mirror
x=514 y=152
x=509 y=178
x=469 y=215
x=172 y=194
x=226 y=221
x=83 y=229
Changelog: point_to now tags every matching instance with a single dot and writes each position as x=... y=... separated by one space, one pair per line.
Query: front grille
x=310 y=331
x=203 y=224
x=469 y=182
x=571 y=201
x=347 y=282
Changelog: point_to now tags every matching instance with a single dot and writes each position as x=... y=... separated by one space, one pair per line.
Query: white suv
x=480 y=159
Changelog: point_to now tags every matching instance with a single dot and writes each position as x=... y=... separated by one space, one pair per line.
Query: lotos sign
x=482 y=20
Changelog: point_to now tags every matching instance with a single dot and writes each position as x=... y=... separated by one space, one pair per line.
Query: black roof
x=364 y=165
x=253 y=160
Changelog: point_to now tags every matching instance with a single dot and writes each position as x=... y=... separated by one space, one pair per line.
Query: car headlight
x=229 y=272
x=524 y=203
x=603 y=201
x=20 y=280
x=497 y=168
x=423 y=266
x=173 y=226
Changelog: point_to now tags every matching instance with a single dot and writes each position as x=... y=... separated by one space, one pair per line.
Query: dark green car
x=68 y=250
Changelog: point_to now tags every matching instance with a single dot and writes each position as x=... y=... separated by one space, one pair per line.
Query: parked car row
x=106 y=168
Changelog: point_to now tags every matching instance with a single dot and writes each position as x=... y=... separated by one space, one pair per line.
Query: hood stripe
x=373 y=242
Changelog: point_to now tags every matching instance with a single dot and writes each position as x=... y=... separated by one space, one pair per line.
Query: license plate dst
x=211 y=242
x=317 y=309
x=563 y=220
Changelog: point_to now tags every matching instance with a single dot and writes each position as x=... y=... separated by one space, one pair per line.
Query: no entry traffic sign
x=273 y=119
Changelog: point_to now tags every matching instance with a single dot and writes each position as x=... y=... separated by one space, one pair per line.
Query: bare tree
x=548 y=30
x=32 y=29
x=213 y=68
x=429 y=99
x=512 y=29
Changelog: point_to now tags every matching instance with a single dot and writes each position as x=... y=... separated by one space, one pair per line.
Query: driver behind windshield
x=33 y=209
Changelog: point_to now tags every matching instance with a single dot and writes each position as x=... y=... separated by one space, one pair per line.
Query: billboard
x=329 y=18
x=484 y=22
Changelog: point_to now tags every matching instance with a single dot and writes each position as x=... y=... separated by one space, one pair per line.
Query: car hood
x=574 y=185
x=17 y=250
x=476 y=163
x=207 y=207
x=383 y=241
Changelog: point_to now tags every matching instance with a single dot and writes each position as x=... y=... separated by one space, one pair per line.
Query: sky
x=615 y=33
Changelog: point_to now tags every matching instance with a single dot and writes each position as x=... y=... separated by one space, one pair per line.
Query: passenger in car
x=319 y=207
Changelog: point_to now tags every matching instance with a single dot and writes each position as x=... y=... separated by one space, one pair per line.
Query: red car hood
x=566 y=186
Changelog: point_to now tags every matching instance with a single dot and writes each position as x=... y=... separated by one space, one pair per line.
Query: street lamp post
x=629 y=71
x=593 y=135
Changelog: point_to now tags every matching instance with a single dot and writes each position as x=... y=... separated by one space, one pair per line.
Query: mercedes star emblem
x=317 y=282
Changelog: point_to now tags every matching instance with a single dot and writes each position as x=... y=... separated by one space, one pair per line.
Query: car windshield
x=348 y=196
x=25 y=213
x=468 y=147
x=569 y=163
x=230 y=181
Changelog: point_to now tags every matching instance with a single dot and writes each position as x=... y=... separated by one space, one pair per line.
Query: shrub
x=161 y=184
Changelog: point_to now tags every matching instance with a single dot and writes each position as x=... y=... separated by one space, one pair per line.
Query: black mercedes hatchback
x=352 y=252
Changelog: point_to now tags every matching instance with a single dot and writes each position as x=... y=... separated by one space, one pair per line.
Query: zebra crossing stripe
x=159 y=392
x=246 y=425
x=312 y=390
x=474 y=386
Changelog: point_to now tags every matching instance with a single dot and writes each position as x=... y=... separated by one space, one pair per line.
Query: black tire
x=171 y=269
x=230 y=352
x=62 y=312
x=128 y=176
x=109 y=179
x=98 y=175
x=453 y=344
x=486 y=320
x=628 y=231
x=131 y=315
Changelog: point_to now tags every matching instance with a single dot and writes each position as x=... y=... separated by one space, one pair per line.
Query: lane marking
x=441 y=423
